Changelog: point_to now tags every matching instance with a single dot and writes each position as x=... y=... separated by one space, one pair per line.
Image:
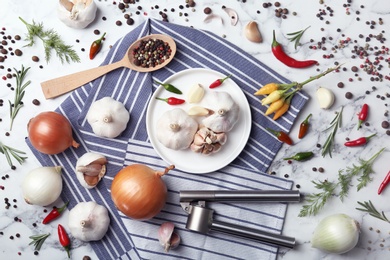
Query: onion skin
x=336 y=234
x=139 y=192
x=50 y=133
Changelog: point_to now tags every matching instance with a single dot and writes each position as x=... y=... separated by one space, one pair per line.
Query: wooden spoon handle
x=59 y=86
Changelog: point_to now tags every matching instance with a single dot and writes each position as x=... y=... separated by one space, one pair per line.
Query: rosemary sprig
x=9 y=151
x=19 y=93
x=51 y=41
x=335 y=124
x=296 y=36
x=316 y=201
x=38 y=240
x=369 y=208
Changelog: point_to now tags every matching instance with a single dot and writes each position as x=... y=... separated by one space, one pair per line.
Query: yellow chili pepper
x=275 y=95
x=275 y=106
x=281 y=111
x=267 y=89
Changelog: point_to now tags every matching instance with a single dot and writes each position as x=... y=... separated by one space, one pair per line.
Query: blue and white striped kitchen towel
x=129 y=239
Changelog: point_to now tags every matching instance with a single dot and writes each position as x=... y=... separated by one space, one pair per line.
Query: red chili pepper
x=279 y=53
x=362 y=116
x=303 y=127
x=282 y=136
x=384 y=183
x=95 y=47
x=358 y=142
x=172 y=100
x=219 y=82
x=55 y=213
x=64 y=239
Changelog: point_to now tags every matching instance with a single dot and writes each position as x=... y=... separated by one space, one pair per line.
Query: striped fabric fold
x=129 y=239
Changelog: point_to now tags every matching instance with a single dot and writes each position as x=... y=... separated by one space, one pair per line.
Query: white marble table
x=332 y=23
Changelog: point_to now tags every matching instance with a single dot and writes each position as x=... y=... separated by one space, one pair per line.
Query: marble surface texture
x=336 y=27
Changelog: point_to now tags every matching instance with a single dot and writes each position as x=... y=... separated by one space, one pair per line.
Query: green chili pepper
x=301 y=156
x=169 y=87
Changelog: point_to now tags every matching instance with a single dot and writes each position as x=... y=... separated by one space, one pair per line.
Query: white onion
x=42 y=186
x=336 y=234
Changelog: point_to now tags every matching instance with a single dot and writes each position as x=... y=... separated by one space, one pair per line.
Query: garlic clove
x=90 y=169
x=167 y=237
x=252 y=32
x=325 y=97
x=232 y=14
x=198 y=111
x=212 y=17
x=195 y=93
x=68 y=5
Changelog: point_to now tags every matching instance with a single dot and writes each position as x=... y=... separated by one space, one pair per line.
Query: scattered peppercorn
x=348 y=95
x=35 y=58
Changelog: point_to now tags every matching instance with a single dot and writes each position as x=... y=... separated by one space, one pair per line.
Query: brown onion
x=139 y=192
x=50 y=133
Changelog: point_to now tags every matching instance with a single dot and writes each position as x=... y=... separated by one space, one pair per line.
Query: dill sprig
x=51 y=41
x=335 y=124
x=19 y=93
x=369 y=208
x=9 y=151
x=328 y=189
x=296 y=36
x=38 y=240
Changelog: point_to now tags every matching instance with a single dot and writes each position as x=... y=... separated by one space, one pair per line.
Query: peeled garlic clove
x=232 y=14
x=77 y=14
x=90 y=169
x=198 y=111
x=325 y=97
x=252 y=32
x=195 y=93
x=167 y=237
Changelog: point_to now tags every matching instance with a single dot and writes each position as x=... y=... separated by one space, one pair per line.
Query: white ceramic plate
x=187 y=160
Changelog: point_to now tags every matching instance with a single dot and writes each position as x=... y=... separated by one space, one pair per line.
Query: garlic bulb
x=207 y=142
x=225 y=112
x=108 y=117
x=88 y=221
x=77 y=14
x=176 y=129
x=90 y=169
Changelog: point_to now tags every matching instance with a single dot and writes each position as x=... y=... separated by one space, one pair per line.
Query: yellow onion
x=50 y=133
x=139 y=192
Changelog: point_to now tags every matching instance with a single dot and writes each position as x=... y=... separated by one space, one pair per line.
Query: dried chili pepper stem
x=282 y=136
x=64 y=239
x=304 y=126
x=96 y=47
x=362 y=116
x=359 y=142
x=55 y=213
x=172 y=100
x=384 y=183
x=302 y=156
x=219 y=82
x=279 y=53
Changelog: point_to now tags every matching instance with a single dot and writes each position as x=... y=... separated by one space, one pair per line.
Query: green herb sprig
x=51 y=41
x=38 y=240
x=335 y=124
x=296 y=36
x=328 y=189
x=19 y=93
x=15 y=153
x=370 y=208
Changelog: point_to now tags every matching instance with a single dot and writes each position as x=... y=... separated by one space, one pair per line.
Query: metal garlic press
x=200 y=218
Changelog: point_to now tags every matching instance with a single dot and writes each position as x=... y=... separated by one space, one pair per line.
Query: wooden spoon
x=59 y=86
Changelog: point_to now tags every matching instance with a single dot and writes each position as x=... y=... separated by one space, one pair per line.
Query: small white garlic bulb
x=77 y=14
x=176 y=129
x=225 y=112
x=108 y=117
